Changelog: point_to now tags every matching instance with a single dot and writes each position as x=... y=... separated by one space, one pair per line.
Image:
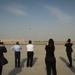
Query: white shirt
x=16 y=48
x=30 y=47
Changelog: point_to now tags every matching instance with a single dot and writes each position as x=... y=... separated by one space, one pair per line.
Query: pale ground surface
x=39 y=64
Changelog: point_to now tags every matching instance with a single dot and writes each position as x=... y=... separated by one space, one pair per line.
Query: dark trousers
x=1 y=70
x=50 y=65
x=17 y=59
x=30 y=59
x=69 y=55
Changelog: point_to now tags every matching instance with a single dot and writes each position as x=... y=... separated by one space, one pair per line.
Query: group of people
x=50 y=59
x=30 y=52
x=17 y=48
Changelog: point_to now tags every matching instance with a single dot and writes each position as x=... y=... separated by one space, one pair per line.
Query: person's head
x=30 y=42
x=17 y=43
x=51 y=42
x=69 y=40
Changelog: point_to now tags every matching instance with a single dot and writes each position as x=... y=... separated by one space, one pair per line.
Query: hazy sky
x=37 y=19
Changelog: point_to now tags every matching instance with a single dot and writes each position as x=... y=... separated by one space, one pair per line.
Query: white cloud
x=63 y=17
x=17 y=9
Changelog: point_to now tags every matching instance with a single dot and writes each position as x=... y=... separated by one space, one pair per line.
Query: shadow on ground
x=15 y=71
x=71 y=68
x=34 y=60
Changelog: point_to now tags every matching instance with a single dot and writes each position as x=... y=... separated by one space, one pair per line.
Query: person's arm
x=71 y=44
x=65 y=44
x=4 y=49
x=71 y=47
x=46 y=47
x=33 y=46
x=12 y=48
x=20 y=47
x=54 y=48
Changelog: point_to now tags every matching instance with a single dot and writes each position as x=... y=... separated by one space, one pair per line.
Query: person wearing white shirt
x=17 y=48
x=30 y=53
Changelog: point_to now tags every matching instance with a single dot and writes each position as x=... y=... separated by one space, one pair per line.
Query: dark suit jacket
x=69 y=47
x=2 y=50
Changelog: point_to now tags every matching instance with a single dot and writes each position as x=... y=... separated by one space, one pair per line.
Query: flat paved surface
x=39 y=67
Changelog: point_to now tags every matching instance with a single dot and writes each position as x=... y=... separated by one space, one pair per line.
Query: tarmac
x=39 y=67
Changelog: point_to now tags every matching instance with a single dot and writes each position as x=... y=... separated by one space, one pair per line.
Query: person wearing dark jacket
x=50 y=59
x=2 y=50
x=69 y=51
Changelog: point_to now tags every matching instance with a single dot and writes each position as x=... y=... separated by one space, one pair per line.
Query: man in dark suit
x=69 y=51
x=2 y=50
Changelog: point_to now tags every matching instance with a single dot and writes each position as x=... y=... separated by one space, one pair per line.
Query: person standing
x=69 y=51
x=50 y=59
x=17 y=48
x=2 y=50
x=30 y=53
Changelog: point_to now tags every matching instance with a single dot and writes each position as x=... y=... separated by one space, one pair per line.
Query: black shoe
x=15 y=66
x=30 y=66
x=18 y=66
x=70 y=66
x=27 y=65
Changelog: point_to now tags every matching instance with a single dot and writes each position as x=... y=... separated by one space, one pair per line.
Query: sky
x=37 y=19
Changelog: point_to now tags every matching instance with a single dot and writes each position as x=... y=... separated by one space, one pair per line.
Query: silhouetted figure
x=17 y=48
x=2 y=50
x=50 y=59
x=69 y=51
x=30 y=53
